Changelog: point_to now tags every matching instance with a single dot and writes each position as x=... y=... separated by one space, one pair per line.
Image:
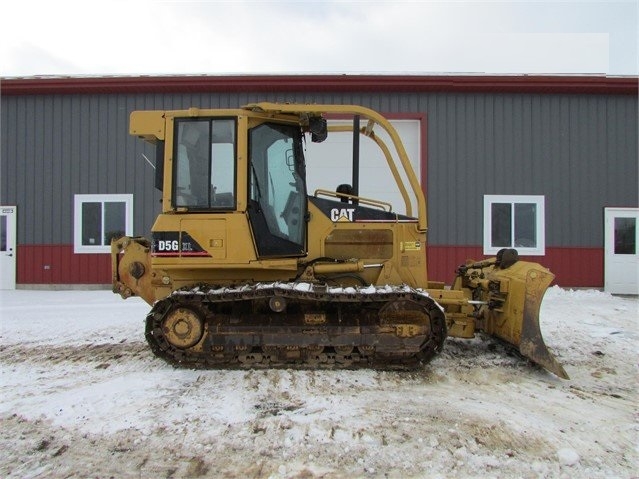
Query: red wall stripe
x=582 y=267
x=573 y=267
x=444 y=260
x=57 y=264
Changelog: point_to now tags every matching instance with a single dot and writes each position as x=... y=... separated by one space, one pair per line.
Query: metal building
x=556 y=154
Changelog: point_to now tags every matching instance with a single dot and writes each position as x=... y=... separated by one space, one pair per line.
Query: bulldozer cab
x=204 y=179
x=251 y=162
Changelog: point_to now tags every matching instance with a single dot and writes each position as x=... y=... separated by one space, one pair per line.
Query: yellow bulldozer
x=247 y=268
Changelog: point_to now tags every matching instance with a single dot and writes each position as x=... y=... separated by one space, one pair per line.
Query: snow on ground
x=82 y=396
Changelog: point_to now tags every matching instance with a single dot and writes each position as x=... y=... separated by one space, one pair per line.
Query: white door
x=621 y=250
x=8 y=247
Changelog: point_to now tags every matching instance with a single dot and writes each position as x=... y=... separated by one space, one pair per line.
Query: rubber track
x=197 y=298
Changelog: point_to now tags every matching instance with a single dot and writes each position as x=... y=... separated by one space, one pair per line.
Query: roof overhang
x=586 y=84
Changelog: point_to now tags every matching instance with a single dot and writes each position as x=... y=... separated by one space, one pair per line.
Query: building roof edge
x=590 y=84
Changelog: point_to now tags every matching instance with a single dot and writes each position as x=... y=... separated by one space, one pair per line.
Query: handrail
x=368 y=131
x=361 y=200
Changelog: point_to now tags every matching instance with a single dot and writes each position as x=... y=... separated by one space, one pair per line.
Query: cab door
x=277 y=190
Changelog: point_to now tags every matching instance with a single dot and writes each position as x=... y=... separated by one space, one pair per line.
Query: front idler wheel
x=183 y=328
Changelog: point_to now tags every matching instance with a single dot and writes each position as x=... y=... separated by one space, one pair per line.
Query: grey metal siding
x=55 y=147
x=580 y=151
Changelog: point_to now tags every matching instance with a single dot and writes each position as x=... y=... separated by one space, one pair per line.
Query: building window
x=625 y=235
x=514 y=222
x=99 y=218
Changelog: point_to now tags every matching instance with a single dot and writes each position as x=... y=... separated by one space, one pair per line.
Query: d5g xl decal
x=176 y=243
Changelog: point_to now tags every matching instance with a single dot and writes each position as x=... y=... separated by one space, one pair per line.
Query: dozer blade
x=514 y=300
x=532 y=344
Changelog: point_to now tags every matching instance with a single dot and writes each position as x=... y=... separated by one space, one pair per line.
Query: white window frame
x=540 y=223
x=79 y=199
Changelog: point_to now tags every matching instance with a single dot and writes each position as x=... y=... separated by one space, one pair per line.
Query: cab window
x=204 y=166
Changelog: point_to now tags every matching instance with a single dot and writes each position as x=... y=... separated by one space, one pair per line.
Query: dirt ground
x=85 y=398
